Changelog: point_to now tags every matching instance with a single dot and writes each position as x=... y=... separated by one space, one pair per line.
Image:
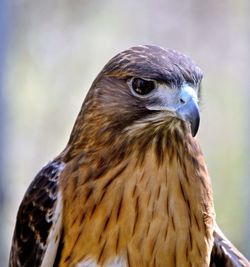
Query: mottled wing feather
x=36 y=219
x=225 y=254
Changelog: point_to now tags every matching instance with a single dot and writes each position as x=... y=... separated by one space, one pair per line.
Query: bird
x=131 y=188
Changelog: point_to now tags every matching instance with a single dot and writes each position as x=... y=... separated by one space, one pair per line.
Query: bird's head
x=143 y=82
x=144 y=86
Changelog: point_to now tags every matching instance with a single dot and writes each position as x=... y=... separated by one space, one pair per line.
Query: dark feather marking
x=82 y=217
x=190 y=240
x=178 y=155
x=121 y=152
x=100 y=172
x=187 y=203
x=159 y=149
x=119 y=207
x=175 y=255
x=198 y=248
x=136 y=215
x=74 y=196
x=197 y=223
x=158 y=192
x=100 y=237
x=74 y=221
x=114 y=176
x=187 y=252
x=142 y=176
x=102 y=196
x=88 y=176
x=153 y=210
x=104 y=228
x=184 y=169
x=148 y=227
x=129 y=260
x=134 y=190
x=101 y=252
x=67 y=258
x=169 y=147
x=189 y=211
x=117 y=241
x=106 y=223
x=182 y=191
x=143 y=146
x=140 y=158
x=149 y=198
x=101 y=161
x=75 y=179
x=76 y=241
x=154 y=243
x=147 y=183
x=89 y=193
x=173 y=223
x=166 y=233
x=93 y=210
x=167 y=202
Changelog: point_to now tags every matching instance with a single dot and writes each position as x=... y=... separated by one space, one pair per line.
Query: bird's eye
x=142 y=87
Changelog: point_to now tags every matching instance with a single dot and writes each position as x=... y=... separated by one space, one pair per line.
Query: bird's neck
x=148 y=198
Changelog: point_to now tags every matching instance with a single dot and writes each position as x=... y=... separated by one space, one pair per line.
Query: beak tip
x=195 y=126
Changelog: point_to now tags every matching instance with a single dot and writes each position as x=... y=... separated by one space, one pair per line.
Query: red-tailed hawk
x=131 y=188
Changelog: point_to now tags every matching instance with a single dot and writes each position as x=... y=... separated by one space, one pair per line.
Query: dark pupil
x=142 y=87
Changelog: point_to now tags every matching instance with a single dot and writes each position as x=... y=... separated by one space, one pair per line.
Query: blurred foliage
x=55 y=50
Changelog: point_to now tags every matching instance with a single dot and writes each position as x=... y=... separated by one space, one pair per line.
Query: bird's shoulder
x=38 y=223
x=224 y=253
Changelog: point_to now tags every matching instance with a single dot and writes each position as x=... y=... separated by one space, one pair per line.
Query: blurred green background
x=51 y=51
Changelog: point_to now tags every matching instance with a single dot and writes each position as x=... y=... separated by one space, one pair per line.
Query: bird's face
x=147 y=80
x=181 y=102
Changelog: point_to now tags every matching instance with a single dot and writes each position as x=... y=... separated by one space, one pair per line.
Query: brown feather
x=225 y=254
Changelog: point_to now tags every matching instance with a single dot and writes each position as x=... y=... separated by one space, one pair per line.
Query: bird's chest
x=140 y=218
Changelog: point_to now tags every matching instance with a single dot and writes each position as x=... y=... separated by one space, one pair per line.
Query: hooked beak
x=189 y=109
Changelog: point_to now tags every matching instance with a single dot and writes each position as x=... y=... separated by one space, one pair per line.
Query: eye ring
x=142 y=87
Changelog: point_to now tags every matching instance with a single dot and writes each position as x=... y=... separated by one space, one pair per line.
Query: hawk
x=131 y=188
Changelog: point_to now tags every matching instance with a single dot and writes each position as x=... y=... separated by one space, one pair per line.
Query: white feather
x=116 y=262
x=54 y=235
x=55 y=232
